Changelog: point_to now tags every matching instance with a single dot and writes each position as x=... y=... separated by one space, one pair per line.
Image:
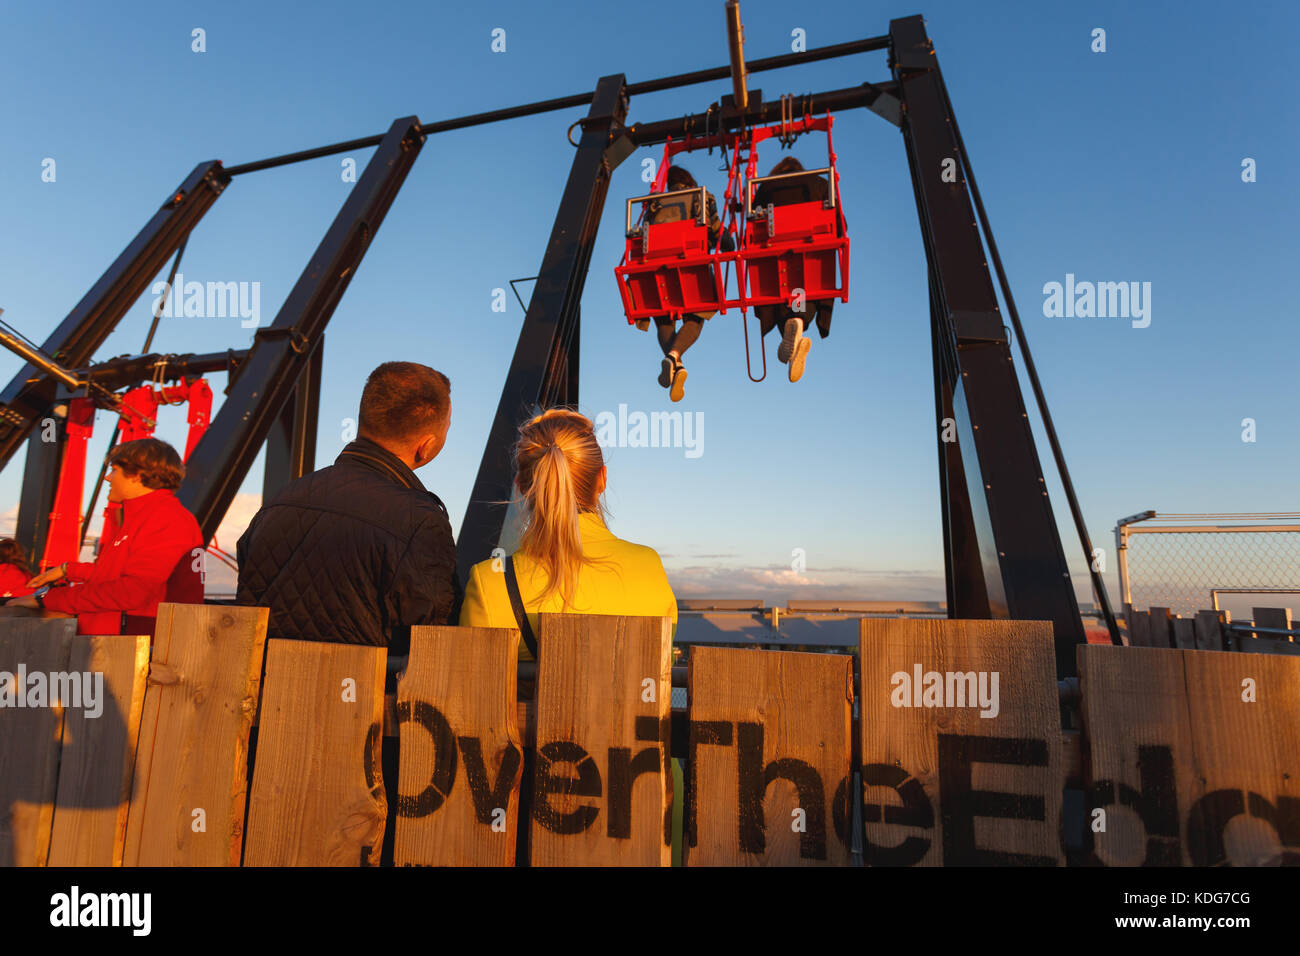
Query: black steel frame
x=1003 y=555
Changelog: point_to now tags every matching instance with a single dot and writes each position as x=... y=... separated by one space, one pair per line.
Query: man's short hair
x=152 y=460
x=403 y=400
x=787 y=165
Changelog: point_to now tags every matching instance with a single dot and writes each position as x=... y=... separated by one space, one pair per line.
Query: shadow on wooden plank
x=318 y=790
x=31 y=651
x=191 y=771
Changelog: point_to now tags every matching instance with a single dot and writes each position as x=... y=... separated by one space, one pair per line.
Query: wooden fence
x=1214 y=631
x=940 y=743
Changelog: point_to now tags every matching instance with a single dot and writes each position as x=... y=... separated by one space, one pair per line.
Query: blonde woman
x=568 y=560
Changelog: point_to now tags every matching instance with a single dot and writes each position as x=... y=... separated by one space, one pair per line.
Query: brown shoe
x=800 y=354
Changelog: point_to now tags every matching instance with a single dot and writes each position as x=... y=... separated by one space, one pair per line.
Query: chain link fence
x=1183 y=562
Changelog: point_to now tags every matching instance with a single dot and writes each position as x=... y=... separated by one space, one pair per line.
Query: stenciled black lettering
x=661 y=729
x=444 y=766
x=585 y=784
x=623 y=771
x=1210 y=816
x=1287 y=822
x=487 y=799
x=1156 y=806
x=960 y=803
x=753 y=780
x=702 y=732
x=915 y=811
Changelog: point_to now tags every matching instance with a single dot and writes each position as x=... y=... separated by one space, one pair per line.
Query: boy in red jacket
x=151 y=549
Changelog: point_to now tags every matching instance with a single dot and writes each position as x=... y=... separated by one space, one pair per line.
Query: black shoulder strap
x=517 y=603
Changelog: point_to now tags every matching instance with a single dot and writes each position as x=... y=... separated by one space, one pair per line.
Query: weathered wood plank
x=961 y=743
x=602 y=790
x=318 y=790
x=30 y=734
x=1184 y=632
x=461 y=753
x=1192 y=755
x=1139 y=629
x=1209 y=626
x=1161 y=629
x=771 y=748
x=98 y=762
x=1275 y=617
x=191 y=768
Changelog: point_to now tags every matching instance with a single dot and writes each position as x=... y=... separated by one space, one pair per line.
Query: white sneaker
x=793 y=333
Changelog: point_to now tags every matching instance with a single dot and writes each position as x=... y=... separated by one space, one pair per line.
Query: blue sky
x=1115 y=166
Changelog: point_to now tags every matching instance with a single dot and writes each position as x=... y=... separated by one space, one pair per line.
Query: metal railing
x=1184 y=557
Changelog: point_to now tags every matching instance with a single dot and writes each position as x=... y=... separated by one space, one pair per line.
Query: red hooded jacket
x=13 y=582
x=152 y=554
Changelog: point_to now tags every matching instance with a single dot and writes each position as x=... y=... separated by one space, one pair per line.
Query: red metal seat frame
x=798 y=246
x=667 y=268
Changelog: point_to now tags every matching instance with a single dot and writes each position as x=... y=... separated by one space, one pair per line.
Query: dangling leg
x=684 y=339
x=688 y=334
x=664 y=328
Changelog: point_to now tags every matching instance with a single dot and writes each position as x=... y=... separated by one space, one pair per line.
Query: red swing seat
x=667 y=268
x=797 y=246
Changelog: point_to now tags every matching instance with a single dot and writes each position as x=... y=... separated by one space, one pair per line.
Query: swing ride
x=1003 y=555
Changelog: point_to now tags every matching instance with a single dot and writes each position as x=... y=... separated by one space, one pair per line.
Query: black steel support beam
x=577 y=99
x=291 y=446
x=996 y=503
x=128 y=372
x=282 y=352
x=30 y=394
x=871 y=95
x=544 y=370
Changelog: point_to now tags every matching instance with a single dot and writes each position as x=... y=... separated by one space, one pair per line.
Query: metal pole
x=578 y=99
x=1121 y=559
x=736 y=48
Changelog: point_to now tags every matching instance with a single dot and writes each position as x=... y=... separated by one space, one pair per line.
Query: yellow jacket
x=633 y=582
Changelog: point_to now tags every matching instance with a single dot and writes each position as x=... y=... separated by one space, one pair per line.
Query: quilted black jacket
x=355 y=553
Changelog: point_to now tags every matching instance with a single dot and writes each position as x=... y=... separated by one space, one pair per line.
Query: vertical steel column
x=1011 y=526
x=282 y=353
x=40 y=483
x=291 y=446
x=965 y=584
x=544 y=370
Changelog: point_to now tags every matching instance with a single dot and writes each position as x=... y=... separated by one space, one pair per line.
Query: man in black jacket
x=360 y=551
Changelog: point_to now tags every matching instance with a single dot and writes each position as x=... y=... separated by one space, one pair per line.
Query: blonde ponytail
x=558 y=462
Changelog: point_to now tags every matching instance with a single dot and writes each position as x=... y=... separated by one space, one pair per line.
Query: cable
x=162 y=302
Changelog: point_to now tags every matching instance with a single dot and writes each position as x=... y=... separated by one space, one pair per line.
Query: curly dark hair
x=152 y=460
x=11 y=552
